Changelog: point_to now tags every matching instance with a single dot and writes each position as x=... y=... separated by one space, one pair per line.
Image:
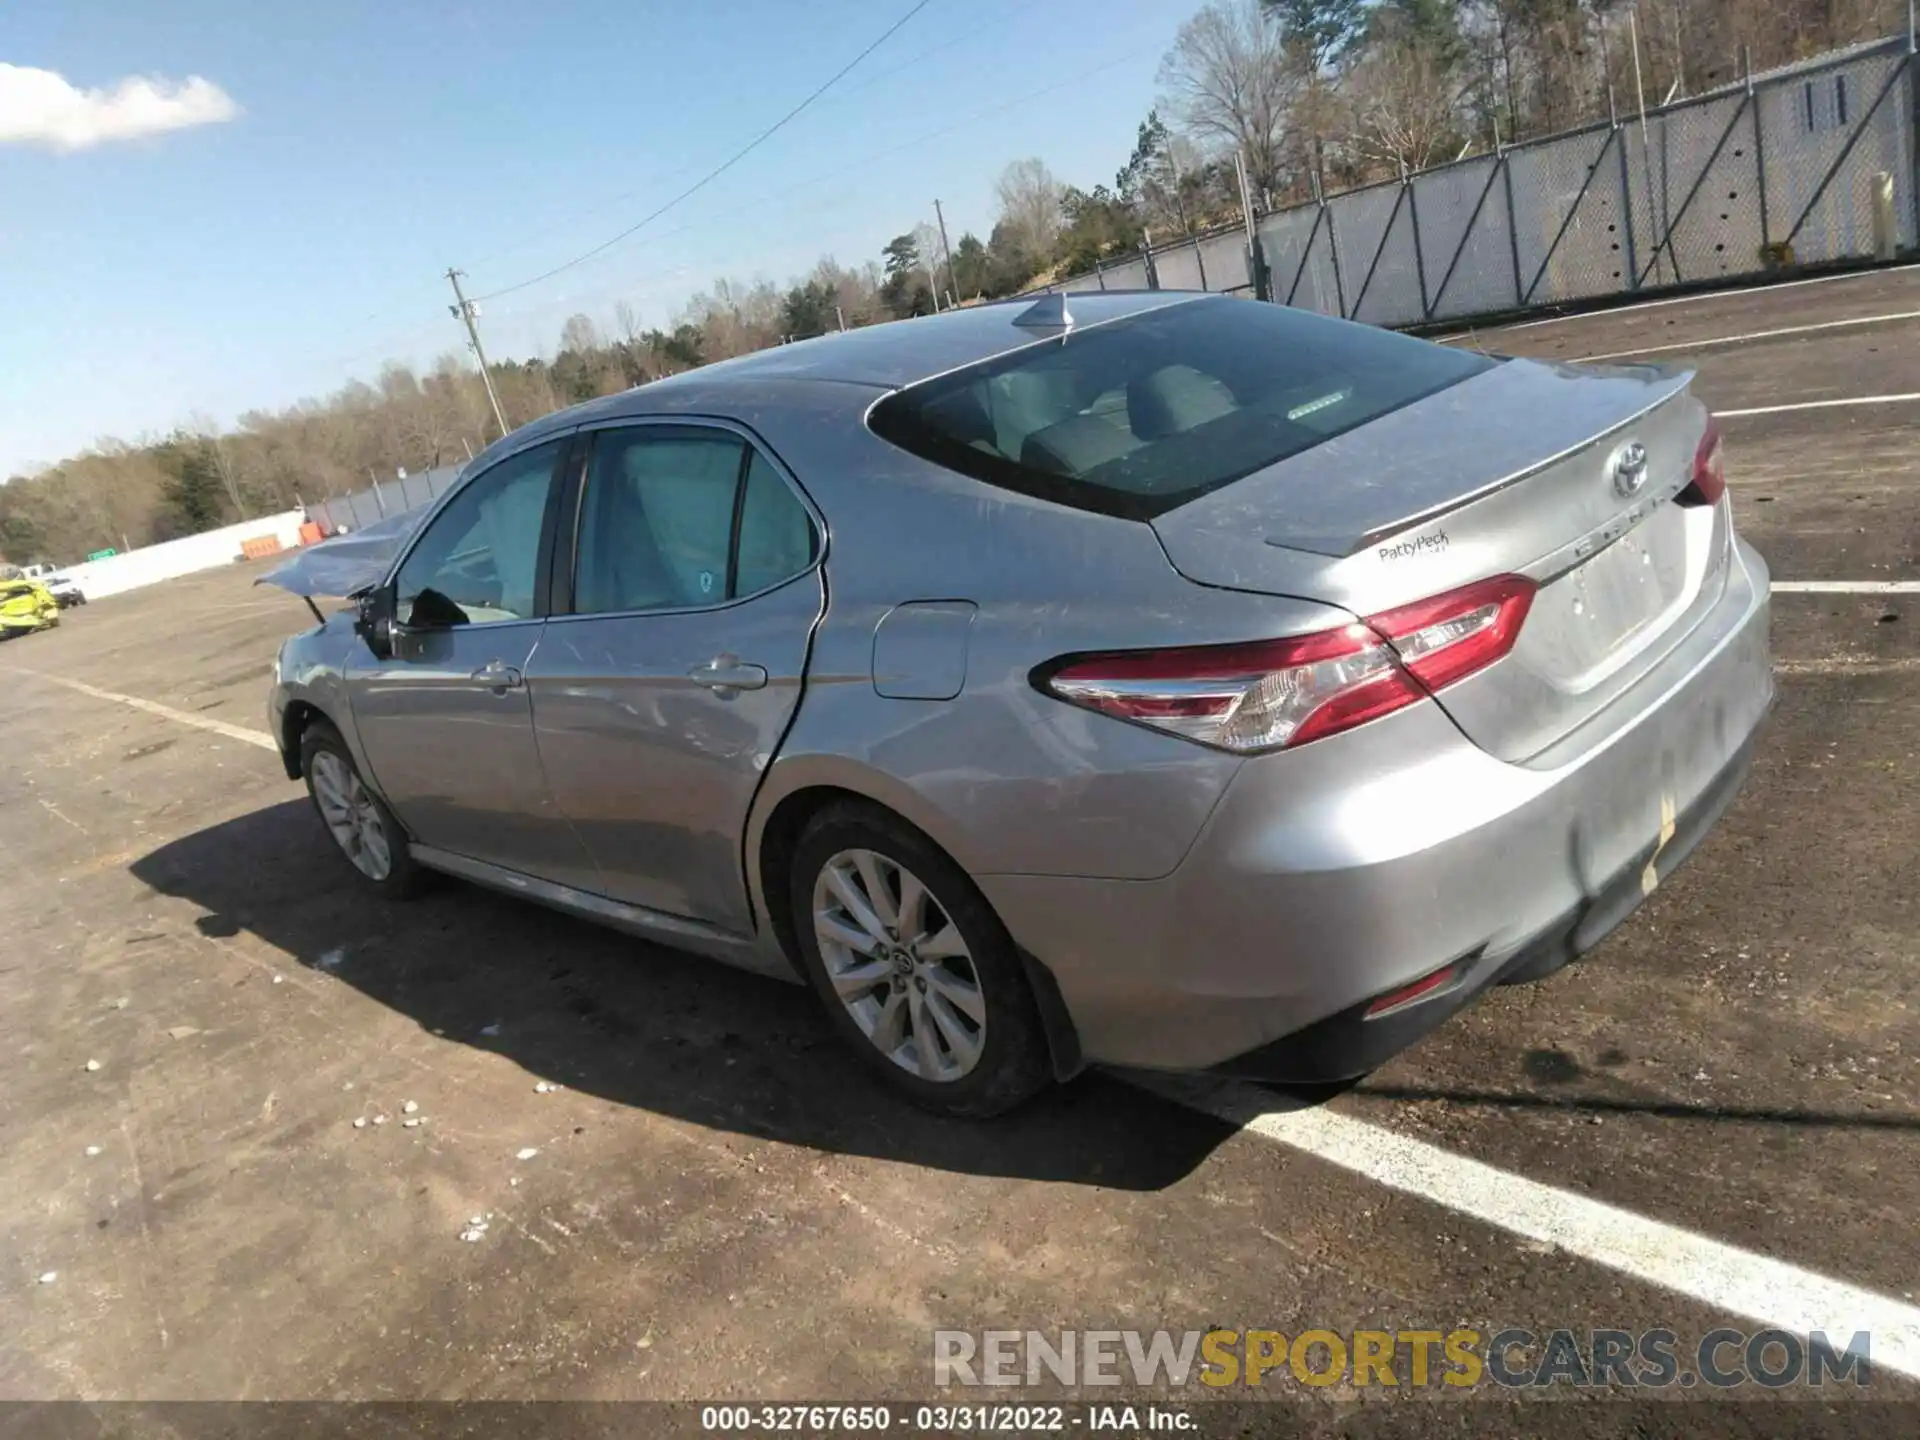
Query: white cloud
x=40 y=107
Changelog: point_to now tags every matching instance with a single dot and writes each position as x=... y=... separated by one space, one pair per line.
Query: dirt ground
x=197 y=1004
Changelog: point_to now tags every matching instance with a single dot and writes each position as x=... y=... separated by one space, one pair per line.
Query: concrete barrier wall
x=206 y=551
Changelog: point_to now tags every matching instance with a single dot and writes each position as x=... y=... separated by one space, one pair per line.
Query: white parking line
x=1745 y=292
x=165 y=712
x=1752 y=335
x=1724 y=1276
x=1819 y=405
x=1846 y=587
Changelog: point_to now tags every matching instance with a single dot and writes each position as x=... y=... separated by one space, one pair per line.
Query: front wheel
x=915 y=970
x=357 y=819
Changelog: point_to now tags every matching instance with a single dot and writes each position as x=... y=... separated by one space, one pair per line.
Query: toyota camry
x=1157 y=679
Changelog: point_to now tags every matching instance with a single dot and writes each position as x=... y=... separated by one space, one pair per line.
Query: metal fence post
x=1913 y=106
x=1200 y=263
x=1419 y=257
x=1666 y=197
x=1513 y=219
x=1146 y=259
x=1626 y=209
x=1333 y=249
x=1759 y=149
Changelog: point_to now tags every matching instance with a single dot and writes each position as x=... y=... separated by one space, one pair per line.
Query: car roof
x=904 y=351
x=875 y=357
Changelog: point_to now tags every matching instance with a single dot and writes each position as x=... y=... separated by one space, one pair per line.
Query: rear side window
x=684 y=517
x=1138 y=416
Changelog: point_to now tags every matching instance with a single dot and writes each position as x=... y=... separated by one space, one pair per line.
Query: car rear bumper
x=1350 y=1043
x=1330 y=876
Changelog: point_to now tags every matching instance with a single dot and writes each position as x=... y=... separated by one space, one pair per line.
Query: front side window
x=477 y=561
x=682 y=517
x=1139 y=415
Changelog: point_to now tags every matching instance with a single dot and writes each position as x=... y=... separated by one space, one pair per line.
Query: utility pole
x=953 y=284
x=465 y=311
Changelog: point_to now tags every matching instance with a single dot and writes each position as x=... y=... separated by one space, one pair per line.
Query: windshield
x=1138 y=416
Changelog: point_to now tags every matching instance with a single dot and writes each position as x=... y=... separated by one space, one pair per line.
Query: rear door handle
x=498 y=676
x=727 y=672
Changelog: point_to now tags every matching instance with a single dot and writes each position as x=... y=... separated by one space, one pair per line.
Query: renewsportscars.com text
x=1456 y=1359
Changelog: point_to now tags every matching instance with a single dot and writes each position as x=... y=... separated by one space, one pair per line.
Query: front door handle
x=726 y=672
x=498 y=676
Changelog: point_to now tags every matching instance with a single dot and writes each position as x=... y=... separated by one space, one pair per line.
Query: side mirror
x=373 y=621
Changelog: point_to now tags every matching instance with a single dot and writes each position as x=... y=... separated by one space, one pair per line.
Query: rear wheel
x=914 y=968
x=357 y=819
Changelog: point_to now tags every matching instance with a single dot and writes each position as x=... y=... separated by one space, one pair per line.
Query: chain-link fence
x=1795 y=167
x=343 y=513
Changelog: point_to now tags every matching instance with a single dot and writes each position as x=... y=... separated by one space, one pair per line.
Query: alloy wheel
x=352 y=815
x=899 y=964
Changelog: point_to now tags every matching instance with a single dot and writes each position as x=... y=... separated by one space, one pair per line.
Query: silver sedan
x=1160 y=680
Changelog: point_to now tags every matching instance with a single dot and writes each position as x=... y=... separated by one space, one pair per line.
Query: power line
x=845 y=93
x=993 y=19
x=724 y=166
x=865 y=162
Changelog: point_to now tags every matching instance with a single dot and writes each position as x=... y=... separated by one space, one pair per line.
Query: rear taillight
x=1421 y=989
x=1273 y=693
x=1709 y=481
x=1450 y=636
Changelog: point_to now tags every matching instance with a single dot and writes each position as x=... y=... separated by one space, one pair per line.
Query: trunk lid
x=1514 y=471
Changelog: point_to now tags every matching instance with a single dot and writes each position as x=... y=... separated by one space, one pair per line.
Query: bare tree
x=926 y=244
x=1029 y=198
x=626 y=322
x=1405 y=107
x=200 y=424
x=1231 y=79
x=580 y=335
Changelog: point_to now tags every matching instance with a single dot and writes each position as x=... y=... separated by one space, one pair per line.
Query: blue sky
x=282 y=252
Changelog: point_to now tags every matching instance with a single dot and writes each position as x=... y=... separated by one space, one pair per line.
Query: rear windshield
x=1137 y=416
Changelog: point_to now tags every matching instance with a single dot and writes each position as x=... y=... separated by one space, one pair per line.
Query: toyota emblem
x=1630 y=468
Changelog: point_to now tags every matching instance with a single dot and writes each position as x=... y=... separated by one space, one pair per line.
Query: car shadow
x=636 y=1023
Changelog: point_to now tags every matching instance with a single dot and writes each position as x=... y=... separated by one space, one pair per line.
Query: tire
x=363 y=829
x=963 y=985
